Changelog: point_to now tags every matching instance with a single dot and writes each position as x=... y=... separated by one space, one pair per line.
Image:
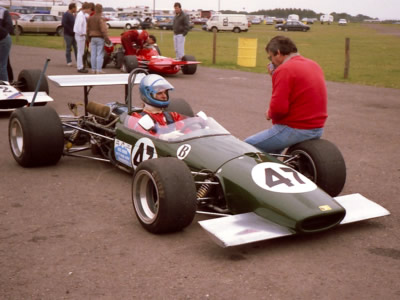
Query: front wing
x=249 y=227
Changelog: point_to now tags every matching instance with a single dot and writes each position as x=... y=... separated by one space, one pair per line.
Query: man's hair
x=177 y=4
x=71 y=6
x=98 y=8
x=85 y=5
x=153 y=38
x=281 y=43
x=92 y=6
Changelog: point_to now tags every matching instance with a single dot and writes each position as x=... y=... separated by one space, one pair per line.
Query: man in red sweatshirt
x=298 y=106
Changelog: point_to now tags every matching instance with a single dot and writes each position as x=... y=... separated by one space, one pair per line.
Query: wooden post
x=347 y=59
x=214 y=47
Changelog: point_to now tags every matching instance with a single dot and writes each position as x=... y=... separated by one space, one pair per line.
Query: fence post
x=214 y=47
x=347 y=58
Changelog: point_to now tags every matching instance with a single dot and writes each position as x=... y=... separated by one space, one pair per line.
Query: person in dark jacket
x=181 y=29
x=6 y=28
x=68 y=21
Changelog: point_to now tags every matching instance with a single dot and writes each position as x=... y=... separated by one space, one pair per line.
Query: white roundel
x=144 y=149
x=280 y=178
x=183 y=151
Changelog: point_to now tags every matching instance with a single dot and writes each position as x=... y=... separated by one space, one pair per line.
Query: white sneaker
x=69 y=64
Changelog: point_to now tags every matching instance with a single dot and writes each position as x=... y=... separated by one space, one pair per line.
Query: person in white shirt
x=80 y=35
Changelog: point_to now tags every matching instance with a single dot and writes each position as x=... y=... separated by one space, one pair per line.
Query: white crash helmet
x=151 y=85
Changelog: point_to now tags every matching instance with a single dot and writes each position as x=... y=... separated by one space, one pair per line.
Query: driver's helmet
x=152 y=84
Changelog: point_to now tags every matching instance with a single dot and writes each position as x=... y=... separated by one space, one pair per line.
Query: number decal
x=144 y=149
x=122 y=152
x=183 y=151
x=279 y=178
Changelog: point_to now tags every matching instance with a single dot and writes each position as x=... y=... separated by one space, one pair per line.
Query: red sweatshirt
x=299 y=96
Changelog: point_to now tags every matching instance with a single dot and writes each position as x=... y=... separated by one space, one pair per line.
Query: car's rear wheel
x=189 y=69
x=130 y=62
x=285 y=29
x=164 y=195
x=236 y=30
x=28 y=80
x=36 y=136
x=214 y=29
x=180 y=106
x=60 y=31
x=128 y=26
x=320 y=161
x=18 y=30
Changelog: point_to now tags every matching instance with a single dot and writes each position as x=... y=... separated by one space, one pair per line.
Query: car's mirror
x=146 y=122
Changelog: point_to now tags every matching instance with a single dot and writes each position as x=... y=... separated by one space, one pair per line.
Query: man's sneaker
x=82 y=71
x=101 y=72
x=69 y=64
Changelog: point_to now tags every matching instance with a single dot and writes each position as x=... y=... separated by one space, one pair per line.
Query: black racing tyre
x=189 y=69
x=322 y=162
x=130 y=62
x=119 y=59
x=164 y=195
x=36 y=136
x=106 y=60
x=28 y=79
x=180 y=106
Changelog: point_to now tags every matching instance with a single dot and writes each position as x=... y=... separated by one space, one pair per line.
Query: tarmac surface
x=69 y=231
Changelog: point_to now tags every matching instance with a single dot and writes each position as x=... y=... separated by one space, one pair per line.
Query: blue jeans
x=5 y=47
x=69 y=43
x=179 y=44
x=279 y=137
x=97 y=53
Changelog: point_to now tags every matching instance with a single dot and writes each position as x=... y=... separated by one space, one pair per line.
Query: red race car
x=133 y=52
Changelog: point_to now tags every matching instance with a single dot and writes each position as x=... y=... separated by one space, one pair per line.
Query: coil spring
x=204 y=189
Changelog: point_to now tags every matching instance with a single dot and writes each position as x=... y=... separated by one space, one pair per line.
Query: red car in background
x=147 y=58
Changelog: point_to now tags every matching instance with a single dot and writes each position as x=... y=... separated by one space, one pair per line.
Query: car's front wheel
x=60 y=31
x=189 y=69
x=36 y=136
x=321 y=162
x=164 y=195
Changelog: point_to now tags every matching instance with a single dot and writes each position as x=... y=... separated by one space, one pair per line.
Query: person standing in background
x=80 y=35
x=68 y=21
x=6 y=28
x=181 y=29
x=97 y=35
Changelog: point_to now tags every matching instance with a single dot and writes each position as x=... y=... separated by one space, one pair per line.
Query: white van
x=293 y=17
x=326 y=19
x=58 y=10
x=235 y=23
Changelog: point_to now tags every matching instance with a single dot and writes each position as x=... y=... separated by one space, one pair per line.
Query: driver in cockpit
x=154 y=92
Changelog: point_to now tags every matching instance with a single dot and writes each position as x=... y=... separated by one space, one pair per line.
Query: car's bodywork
x=148 y=58
x=39 y=23
x=292 y=25
x=123 y=23
x=188 y=166
x=22 y=92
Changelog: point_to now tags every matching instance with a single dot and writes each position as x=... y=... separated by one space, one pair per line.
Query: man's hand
x=267 y=116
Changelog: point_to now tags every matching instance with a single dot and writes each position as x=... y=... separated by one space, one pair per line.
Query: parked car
x=292 y=26
x=165 y=25
x=279 y=20
x=123 y=23
x=269 y=21
x=39 y=23
x=342 y=22
x=147 y=23
x=307 y=21
x=256 y=21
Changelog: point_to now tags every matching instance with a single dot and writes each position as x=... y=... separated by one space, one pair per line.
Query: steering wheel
x=193 y=124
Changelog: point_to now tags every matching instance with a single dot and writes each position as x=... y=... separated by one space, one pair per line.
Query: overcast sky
x=382 y=9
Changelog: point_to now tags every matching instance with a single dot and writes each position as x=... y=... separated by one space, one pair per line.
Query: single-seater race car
x=22 y=92
x=194 y=166
x=146 y=57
